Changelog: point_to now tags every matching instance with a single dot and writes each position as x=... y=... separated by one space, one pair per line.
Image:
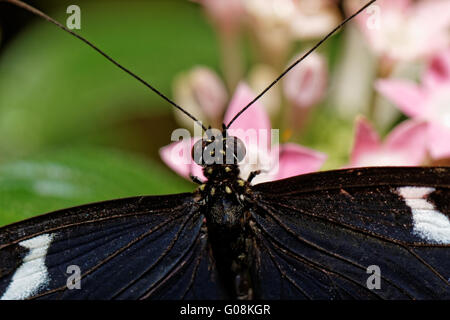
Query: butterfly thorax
x=223 y=195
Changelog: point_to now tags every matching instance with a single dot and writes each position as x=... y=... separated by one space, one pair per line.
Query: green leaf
x=71 y=177
x=55 y=89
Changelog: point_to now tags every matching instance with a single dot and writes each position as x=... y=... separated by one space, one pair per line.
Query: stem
x=232 y=64
x=385 y=66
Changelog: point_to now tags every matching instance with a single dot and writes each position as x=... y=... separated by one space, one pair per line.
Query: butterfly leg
x=195 y=179
x=252 y=175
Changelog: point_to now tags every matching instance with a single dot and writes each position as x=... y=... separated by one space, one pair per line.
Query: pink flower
x=301 y=19
x=314 y=18
x=276 y=24
x=226 y=14
x=201 y=92
x=253 y=128
x=429 y=102
x=305 y=85
x=405 y=29
x=404 y=146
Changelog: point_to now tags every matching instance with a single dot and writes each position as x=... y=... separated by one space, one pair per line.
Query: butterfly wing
x=135 y=248
x=331 y=235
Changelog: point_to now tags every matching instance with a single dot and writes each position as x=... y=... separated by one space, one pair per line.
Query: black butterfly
x=369 y=233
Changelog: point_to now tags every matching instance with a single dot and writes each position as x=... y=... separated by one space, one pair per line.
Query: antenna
x=145 y=83
x=297 y=62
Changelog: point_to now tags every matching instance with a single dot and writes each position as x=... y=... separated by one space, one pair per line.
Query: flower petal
x=254 y=120
x=295 y=160
x=377 y=19
x=397 y=5
x=177 y=156
x=366 y=140
x=407 y=96
x=313 y=19
x=438 y=71
x=305 y=85
x=438 y=140
x=265 y=160
x=433 y=17
x=399 y=29
x=409 y=138
x=209 y=91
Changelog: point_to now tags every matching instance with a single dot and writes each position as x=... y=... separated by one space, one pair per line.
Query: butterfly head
x=218 y=152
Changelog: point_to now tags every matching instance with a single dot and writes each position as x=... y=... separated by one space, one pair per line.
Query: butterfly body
x=224 y=199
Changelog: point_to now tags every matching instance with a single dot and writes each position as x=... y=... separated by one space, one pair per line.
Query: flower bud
x=304 y=86
x=202 y=93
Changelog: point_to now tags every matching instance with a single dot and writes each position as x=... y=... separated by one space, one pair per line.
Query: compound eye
x=218 y=150
x=207 y=150
x=235 y=150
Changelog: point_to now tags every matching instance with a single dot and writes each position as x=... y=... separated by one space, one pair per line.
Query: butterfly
x=367 y=233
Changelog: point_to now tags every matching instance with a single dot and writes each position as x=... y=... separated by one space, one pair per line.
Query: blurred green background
x=75 y=129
